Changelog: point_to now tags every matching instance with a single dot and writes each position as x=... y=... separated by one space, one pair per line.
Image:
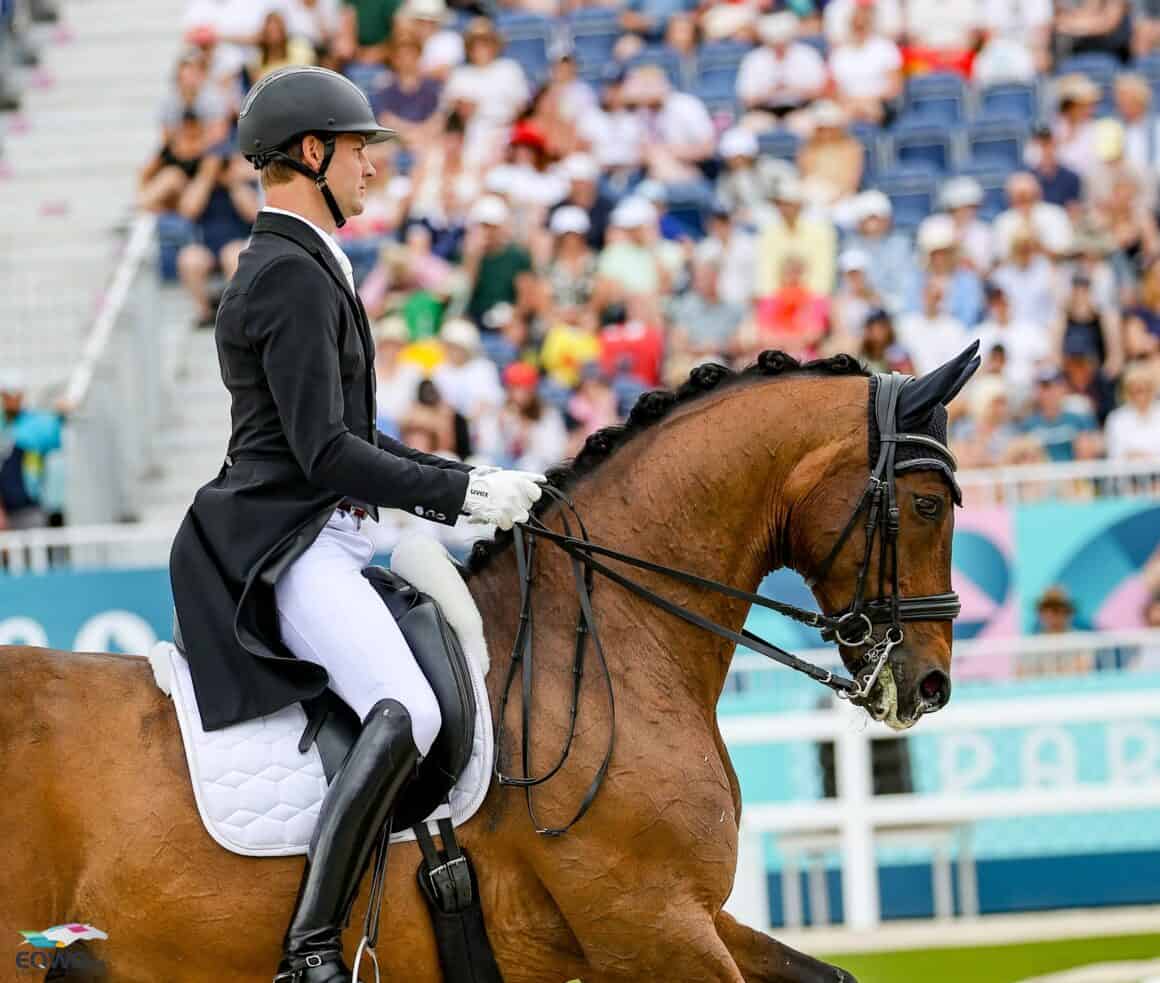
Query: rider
x=266 y=568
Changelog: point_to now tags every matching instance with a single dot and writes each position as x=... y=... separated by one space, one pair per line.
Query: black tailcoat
x=297 y=357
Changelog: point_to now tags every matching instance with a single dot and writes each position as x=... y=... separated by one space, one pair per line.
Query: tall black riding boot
x=355 y=809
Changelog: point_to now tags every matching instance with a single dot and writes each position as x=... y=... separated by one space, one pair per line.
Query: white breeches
x=331 y=615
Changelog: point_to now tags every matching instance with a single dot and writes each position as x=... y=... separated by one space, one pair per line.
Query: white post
x=749 y=900
x=855 y=787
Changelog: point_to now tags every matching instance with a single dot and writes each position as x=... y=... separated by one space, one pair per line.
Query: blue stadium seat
x=911 y=190
x=687 y=202
x=917 y=140
x=1149 y=66
x=779 y=143
x=992 y=177
x=532 y=55
x=939 y=96
x=717 y=81
x=868 y=134
x=1016 y=99
x=722 y=53
x=594 y=20
x=998 y=139
x=520 y=24
x=594 y=50
x=663 y=56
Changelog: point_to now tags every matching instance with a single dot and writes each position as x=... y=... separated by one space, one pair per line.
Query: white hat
x=959 y=192
x=827 y=113
x=489 y=210
x=435 y=10
x=853 y=259
x=570 y=218
x=872 y=204
x=500 y=180
x=633 y=212
x=778 y=28
x=789 y=189
x=393 y=327
x=737 y=142
x=936 y=232
x=581 y=167
x=461 y=333
x=12 y=381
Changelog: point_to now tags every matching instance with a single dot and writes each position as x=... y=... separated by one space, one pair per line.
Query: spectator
x=443 y=187
x=592 y=407
x=1075 y=125
x=1026 y=24
x=496 y=267
x=1050 y=421
x=492 y=88
x=441 y=47
x=434 y=426
x=277 y=49
x=1093 y=25
x=566 y=98
x=1058 y=185
x=397 y=380
x=703 y=326
x=583 y=175
x=1112 y=166
x=632 y=348
x=221 y=203
x=613 y=132
x=740 y=188
x=571 y=269
x=27 y=437
x=1029 y=279
x=1130 y=226
x=407 y=103
x=1049 y=223
x=1142 y=324
x=1133 y=97
x=866 y=68
x=1088 y=255
x=1025 y=344
x=962 y=293
x=853 y=301
x=628 y=262
x=1096 y=328
x=961 y=198
x=985 y=434
x=677 y=131
x=790 y=231
x=317 y=22
x=942 y=35
x=794 y=318
x=228 y=28
x=878 y=345
x=733 y=247
x=467 y=379
x=165 y=177
x=1145 y=26
x=364 y=31
x=570 y=344
x=1089 y=388
x=1133 y=429
x=780 y=77
x=648 y=18
x=525 y=178
x=192 y=94
x=838 y=15
x=931 y=335
x=1056 y=615
x=528 y=433
x=890 y=259
x=831 y=160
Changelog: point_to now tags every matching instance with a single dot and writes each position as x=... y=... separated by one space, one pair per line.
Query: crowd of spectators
x=586 y=201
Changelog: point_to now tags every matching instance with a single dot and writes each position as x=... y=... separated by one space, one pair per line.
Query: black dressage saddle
x=333 y=726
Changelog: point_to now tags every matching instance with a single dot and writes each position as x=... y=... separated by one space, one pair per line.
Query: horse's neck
x=708 y=490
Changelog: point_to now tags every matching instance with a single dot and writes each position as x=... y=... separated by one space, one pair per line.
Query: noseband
x=852 y=627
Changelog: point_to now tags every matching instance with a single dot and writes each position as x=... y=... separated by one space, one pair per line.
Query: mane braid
x=654 y=406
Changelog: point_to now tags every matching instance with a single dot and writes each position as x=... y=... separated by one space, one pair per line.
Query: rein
x=852 y=627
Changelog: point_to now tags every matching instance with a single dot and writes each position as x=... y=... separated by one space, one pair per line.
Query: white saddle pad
x=257 y=794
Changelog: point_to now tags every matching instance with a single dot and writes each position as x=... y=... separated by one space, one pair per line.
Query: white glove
x=502 y=497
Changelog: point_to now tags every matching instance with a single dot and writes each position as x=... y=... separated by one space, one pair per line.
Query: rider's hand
x=502 y=497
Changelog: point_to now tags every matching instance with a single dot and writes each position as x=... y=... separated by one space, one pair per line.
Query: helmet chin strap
x=318 y=177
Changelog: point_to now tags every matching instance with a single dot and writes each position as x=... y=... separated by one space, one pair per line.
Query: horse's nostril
x=935 y=689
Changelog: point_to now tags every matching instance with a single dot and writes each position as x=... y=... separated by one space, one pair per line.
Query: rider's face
x=349 y=171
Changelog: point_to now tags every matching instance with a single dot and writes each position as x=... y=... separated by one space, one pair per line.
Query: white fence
x=856 y=816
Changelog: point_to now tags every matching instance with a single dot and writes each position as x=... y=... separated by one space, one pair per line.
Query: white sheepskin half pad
x=257 y=795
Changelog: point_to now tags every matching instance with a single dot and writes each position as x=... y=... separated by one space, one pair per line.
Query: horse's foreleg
x=765 y=960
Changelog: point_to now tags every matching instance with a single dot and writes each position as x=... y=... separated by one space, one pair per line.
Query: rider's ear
x=919 y=397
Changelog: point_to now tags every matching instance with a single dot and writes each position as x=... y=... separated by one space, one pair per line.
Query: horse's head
x=879 y=554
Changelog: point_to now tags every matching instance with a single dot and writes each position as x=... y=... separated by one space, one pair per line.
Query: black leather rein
x=852 y=627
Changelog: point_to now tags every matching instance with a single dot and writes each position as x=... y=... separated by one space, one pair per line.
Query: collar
x=335 y=249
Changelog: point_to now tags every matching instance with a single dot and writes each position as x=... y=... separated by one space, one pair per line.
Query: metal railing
x=1069 y=480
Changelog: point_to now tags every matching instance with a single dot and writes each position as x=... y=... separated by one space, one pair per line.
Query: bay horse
x=733 y=475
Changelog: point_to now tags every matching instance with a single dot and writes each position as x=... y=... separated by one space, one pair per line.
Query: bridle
x=854 y=626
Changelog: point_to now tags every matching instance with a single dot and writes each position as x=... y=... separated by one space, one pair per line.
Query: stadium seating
x=922 y=139
x=997 y=139
x=940 y=96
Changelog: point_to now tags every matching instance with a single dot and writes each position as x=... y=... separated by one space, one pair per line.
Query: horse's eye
x=928 y=506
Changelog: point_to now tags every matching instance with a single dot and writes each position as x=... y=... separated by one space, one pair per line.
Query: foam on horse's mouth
x=883 y=702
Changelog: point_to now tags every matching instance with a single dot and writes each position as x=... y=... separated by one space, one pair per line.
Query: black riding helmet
x=293 y=102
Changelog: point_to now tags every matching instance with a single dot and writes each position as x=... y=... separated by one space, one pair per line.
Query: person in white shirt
x=781 y=76
x=442 y=48
x=316 y=21
x=612 y=131
x=961 y=198
x=1141 y=128
x=930 y=336
x=397 y=381
x=1027 y=345
x=1030 y=280
x=887 y=20
x=1133 y=430
x=867 y=68
x=1026 y=23
x=945 y=25
x=495 y=86
x=1049 y=223
x=467 y=379
x=677 y=130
